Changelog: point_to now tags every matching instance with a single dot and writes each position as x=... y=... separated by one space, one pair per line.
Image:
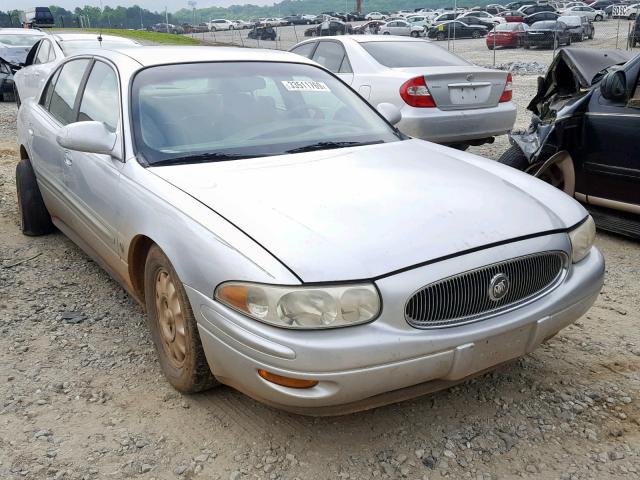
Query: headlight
x=582 y=238
x=302 y=307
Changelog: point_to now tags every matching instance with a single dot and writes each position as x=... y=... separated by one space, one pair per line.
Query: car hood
x=364 y=212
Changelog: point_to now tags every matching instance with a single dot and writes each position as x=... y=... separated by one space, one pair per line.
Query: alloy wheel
x=170 y=318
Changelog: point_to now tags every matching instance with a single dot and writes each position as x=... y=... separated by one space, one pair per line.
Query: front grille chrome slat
x=464 y=298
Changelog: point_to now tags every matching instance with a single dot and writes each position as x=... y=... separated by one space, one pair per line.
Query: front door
x=612 y=165
x=92 y=180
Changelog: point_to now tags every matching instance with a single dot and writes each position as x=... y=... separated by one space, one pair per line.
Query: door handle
x=67 y=159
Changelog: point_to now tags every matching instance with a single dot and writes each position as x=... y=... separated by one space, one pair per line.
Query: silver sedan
x=303 y=251
x=443 y=98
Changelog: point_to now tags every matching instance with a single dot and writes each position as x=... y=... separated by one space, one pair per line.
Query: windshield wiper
x=200 y=158
x=329 y=145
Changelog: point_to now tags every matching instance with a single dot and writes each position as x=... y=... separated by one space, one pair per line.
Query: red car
x=507 y=35
x=513 y=16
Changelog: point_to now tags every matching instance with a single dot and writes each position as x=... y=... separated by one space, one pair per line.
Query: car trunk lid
x=464 y=87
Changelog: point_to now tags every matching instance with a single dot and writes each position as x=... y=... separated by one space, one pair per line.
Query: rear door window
x=330 y=55
x=43 y=52
x=65 y=92
x=305 y=50
x=48 y=91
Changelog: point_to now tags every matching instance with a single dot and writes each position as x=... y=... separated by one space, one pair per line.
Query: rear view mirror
x=90 y=137
x=614 y=86
x=390 y=112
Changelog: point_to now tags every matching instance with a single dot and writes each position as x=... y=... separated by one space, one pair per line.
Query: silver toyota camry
x=285 y=239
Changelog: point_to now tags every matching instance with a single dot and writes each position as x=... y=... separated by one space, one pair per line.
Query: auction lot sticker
x=305 y=86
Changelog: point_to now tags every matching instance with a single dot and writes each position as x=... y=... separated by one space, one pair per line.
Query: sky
x=157 y=5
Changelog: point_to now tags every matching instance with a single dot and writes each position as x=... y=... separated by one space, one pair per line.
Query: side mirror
x=90 y=137
x=614 y=86
x=390 y=112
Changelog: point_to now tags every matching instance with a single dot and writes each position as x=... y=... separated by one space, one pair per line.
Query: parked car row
x=322 y=257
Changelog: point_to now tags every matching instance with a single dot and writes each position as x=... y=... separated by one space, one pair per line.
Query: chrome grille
x=467 y=297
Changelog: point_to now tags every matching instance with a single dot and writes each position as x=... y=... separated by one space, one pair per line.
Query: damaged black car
x=583 y=136
x=7 y=88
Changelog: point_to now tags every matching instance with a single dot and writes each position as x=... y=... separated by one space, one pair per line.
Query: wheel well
x=23 y=153
x=138 y=250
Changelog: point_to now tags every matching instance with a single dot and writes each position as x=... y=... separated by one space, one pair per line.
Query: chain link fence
x=531 y=53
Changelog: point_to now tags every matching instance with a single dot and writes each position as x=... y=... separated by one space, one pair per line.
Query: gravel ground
x=82 y=396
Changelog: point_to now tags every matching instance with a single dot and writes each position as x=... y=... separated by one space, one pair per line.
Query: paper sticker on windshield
x=305 y=86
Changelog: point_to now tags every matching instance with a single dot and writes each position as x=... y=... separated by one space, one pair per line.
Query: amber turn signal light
x=286 y=381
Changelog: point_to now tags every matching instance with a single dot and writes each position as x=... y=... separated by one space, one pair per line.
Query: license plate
x=467 y=95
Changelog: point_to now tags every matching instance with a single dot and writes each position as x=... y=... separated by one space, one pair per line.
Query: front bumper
x=455 y=126
x=387 y=360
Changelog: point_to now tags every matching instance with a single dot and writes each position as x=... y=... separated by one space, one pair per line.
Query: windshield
x=573 y=21
x=220 y=111
x=544 y=25
x=72 y=47
x=411 y=54
x=19 y=40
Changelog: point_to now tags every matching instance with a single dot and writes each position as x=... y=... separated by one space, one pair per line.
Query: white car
x=401 y=27
x=421 y=20
x=274 y=22
x=375 y=16
x=404 y=13
x=482 y=15
x=15 y=43
x=243 y=24
x=584 y=11
x=221 y=24
x=631 y=12
x=51 y=50
x=445 y=17
x=442 y=97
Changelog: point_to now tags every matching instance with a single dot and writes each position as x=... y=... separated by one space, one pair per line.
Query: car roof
x=25 y=31
x=372 y=38
x=162 y=55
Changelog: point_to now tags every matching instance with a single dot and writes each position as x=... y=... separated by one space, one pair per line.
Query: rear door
x=402 y=28
x=612 y=165
x=55 y=109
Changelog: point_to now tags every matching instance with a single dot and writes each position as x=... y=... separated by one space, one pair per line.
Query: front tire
x=173 y=327
x=514 y=158
x=415 y=34
x=34 y=216
x=598 y=18
x=475 y=34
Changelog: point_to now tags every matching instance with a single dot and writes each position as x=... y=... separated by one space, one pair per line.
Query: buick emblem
x=470 y=77
x=498 y=287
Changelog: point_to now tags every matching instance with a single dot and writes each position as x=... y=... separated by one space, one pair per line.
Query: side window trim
x=344 y=55
x=51 y=84
x=43 y=42
x=81 y=87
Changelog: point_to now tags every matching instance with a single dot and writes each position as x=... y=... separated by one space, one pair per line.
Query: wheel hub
x=170 y=318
